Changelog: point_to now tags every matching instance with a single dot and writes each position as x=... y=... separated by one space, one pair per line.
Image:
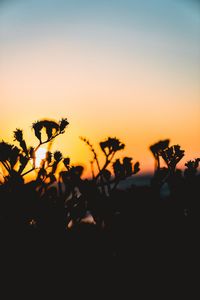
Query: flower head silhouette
x=156 y=150
x=57 y=156
x=63 y=124
x=172 y=155
x=111 y=145
x=18 y=135
x=125 y=169
x=52 y=129
x=191 y=167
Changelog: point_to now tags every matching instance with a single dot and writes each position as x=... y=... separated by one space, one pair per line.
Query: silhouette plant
x=48 y=167
x=109 y=148
x=15 y=159
x=191 y=168
x=172 y=155
x=122 y=170
x=55 y=201
x=157 y=149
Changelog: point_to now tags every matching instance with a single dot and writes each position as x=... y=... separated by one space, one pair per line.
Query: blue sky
x=164 y=30
x=122 y=64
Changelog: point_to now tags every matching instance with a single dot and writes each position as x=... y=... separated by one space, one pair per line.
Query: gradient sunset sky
x=121 y=68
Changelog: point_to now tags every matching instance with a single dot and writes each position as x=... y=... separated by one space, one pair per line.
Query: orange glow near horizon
x=112 y=69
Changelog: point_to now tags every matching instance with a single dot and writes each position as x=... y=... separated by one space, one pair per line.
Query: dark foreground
x=143 y=239
x=141 y=243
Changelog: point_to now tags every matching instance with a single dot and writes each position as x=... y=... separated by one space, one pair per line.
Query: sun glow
x=125 y=69
x=40 y=155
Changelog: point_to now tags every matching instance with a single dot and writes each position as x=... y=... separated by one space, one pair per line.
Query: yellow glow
x=139 y=87
x=40 y=155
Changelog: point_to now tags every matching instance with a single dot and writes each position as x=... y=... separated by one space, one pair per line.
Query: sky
x=125 y=69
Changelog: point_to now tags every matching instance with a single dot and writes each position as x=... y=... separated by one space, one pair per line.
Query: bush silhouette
x=86 y=221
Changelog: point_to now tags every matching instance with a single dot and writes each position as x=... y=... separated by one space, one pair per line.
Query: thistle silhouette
x=52 y=128
x=15 y=160
x=172 y=155
x=123 y=170
x=157 y=149
x=191 y=168
x=62 y=198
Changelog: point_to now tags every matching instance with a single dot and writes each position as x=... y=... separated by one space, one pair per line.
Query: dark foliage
x=84 y=222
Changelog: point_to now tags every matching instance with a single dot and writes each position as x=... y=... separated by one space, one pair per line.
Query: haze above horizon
x=125 y=69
